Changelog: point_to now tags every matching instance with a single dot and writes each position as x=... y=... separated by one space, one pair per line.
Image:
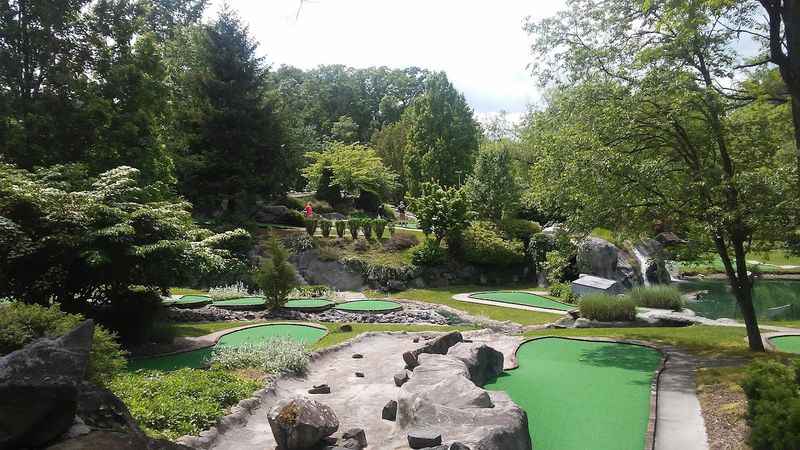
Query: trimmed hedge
x=325 y=225
x=311 y=226
x=353 y=226
x=341 y=226
x=483 y=244
x=661 y=297
x=607 y=308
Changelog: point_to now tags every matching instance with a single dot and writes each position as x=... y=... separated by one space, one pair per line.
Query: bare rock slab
x=483 y=362
x=418 y=439
x=438 y=346
x=389 y=411
x=301 y=423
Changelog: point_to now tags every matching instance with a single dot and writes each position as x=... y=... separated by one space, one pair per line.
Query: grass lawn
x=186 y=291
x=769 y=261
x=444 y=296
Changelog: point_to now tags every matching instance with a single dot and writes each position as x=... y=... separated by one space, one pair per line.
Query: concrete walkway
x=679 y=424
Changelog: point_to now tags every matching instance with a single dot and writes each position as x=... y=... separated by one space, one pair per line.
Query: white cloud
x=480 y=44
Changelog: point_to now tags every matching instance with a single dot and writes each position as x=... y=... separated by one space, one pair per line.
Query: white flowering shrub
x=275 y=356
x=237 y=290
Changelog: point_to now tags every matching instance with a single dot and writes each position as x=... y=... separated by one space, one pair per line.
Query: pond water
x=720 y=302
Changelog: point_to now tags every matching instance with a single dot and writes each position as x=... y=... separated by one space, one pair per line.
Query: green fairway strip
x=522 y=298
x=788 y=344
x=369 y=306
x=254 y=335
x=583 y=395
x=308 y=303
x=244 y=301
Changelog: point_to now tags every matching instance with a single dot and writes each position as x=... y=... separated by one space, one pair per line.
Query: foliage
x=390 y=144
x=296 y=218
x=274 y=356
x=277 y=276
x=380 y=227
x=298 y=242
x=563 y=291
x=484 y=245
x=20 y=324
x=663 y=297
x=400 y=241
x=492 y=188
x=607 y=308
x=428 y=254
x=340 y=225
x=441 y=211
x=442 y=136
x=773 y=408
x=351 y=168
x=186 y=401
x=366 y=228
x=392 y=228
x=557 y=267
x=311 y=226
x=231 y=291
x=326 y=227
x=311 y=291
x=521 y=229
x=353 y=226
x=361 y=246
x=96 y=249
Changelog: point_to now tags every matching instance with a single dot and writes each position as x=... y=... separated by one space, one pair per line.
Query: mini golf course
x=309 y=304
x=369 y=306
x=522 y=298
x=253 y=335
x=788 y=344
x=583 y=394
x=241 y=303
x=189 y=301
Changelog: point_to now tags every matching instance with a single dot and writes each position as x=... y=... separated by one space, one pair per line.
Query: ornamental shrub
x=274 y=356
x=325 y=225
x=607 y=308
x=352 y=226
x=662 y=297
x=400 y=241
x=20 y=324
x=340 y=228
x=277 y=276
x=296 y=218
x=311 y=226
x=232 y=291
x=773 y=407
x=186 y=401
x=483 y=244
x=380 y=228
x=366 y=228
x=563 y=291
x=428 y=254
x=519 y=228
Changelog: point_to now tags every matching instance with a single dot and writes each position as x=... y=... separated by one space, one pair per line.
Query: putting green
x=788 y=344
x=189 y=301
x=241 y=303
x=522 y=298
x=309 y=304
x=375 y=306
x=254 y=335
x=581 y=394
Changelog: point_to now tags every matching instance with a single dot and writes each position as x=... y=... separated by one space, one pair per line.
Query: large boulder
x=438 y=346
x=301 y=423
x=603 y=259
x=272 y=214
x=650 y=254
x=335 y=274
x=483 y=362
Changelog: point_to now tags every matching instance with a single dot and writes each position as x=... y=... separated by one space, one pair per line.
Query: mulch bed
x=724 y=408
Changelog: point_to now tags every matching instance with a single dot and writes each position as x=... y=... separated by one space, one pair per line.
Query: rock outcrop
x=438 y=346
x=483 y=362
x=330 y=273
x=654 y=267
x=603 y=259
x=301 y=423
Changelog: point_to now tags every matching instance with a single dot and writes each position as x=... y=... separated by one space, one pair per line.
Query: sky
x=480 y=44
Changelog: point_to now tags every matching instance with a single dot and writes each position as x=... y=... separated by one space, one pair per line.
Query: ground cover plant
x=273 y=356
x=607 y=308
x=773 y=392
x=663 y=297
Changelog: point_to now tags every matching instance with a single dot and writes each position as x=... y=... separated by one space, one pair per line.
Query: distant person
x=401 y=208
x=309 y=210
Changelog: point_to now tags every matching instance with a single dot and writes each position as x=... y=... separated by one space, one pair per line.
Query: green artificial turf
x=522 y=298
x=369 y=306
x=788 y=344
x=308 y=303
x=189 y=301
x=581 y=395
x=254 y=335
x=244 y=302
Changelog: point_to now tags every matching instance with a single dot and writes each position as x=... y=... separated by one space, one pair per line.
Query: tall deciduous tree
x=643 y=131
x=442 y=136
x=390 y=144
x=492 y=188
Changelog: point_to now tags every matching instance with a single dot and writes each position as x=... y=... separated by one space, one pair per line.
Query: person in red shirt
x=309 y=210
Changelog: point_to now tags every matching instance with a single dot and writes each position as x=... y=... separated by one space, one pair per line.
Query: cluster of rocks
x=648 y=318
x=46 y=402
x=210 y=313
x=603 y=259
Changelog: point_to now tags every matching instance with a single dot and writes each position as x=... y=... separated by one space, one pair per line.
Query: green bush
x=519 y=228
x=340 y=225
x=428 y=254
x=20 y=324
x=325 y=225
x=380 y=227
x=563 y=291
x=311 y=226
x=484 y=245
x=277 y=276
x=773 y=407
x=352 y=226
x=387 y=213
x=311 y=291
x=274 y=356
x=662 y=297
x=607 y=308
x=294 y=203
x=366 y=228
x=182 y=402
x=296 y=218
x=392 y=229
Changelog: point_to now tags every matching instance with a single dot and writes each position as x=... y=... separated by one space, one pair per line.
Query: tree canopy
x=351 y=168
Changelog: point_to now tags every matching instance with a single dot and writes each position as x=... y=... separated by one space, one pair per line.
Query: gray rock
x=356 y=355
x=355 y=438
x=400 y=378
x=301 y=423
x=335 y=274
x=483 y=362
x=389 y=411
x=603 y=259
x=360 y=374
x=272 y=214
x=418 y=439
x=582 y=323
x=574 y=313
x=320 y=389
x=438 y=346
x=458 y=446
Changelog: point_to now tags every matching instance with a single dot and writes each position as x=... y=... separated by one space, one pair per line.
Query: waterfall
x=642 y=265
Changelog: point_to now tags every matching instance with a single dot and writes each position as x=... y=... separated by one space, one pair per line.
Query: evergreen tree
x=442 y=136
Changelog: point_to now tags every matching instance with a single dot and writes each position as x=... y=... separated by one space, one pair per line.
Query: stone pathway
x=679 y=424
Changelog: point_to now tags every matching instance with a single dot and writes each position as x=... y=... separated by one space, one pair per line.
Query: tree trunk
x=744 y=297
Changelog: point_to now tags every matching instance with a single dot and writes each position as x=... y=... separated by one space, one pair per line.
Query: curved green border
x=241 y=303
x=794 y=347
x=368 y=311
x=567 y=305
x=316 y=304
x=190 y=301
